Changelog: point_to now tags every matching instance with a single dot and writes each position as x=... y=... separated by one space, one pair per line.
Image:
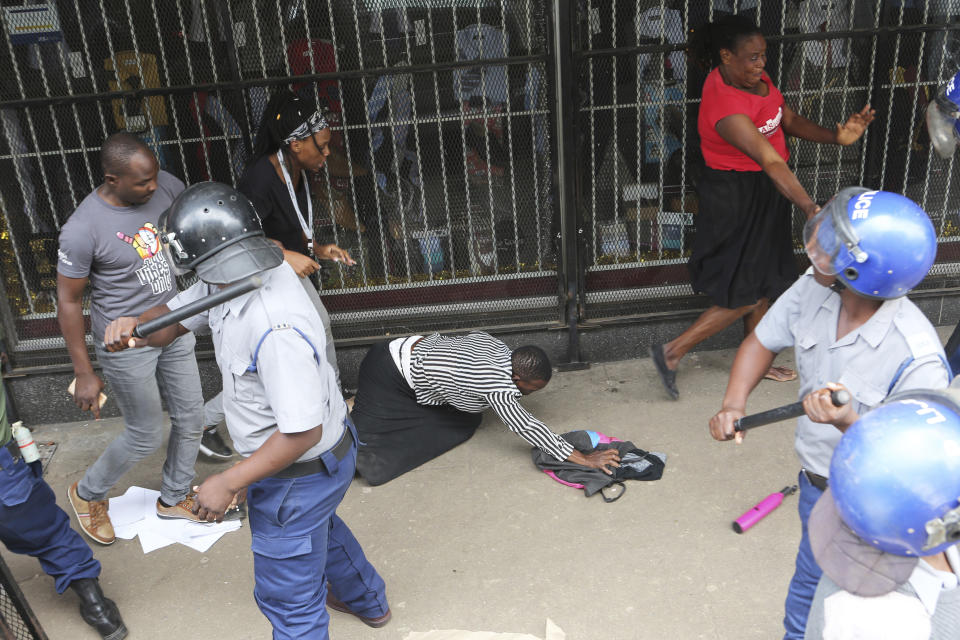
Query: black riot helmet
x=213 y=229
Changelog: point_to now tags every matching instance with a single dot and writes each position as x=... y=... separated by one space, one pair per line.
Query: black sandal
x=667 y=377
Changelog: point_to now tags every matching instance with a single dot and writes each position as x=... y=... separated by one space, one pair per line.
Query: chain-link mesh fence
x=17 y=621
x=640 y=98
x=439 y=178
x=442 y=177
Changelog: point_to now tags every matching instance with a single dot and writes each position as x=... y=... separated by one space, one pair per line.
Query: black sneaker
x=213 y=446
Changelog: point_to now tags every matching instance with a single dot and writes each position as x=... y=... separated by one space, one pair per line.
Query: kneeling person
x=284 y=411
x=419 y=397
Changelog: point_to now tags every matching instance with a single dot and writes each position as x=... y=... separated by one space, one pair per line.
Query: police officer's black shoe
x=99 y=611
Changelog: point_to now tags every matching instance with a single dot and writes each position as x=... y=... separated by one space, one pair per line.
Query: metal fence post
x=563 y=16
x=226 y=21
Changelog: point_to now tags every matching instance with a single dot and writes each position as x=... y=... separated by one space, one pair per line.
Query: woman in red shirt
x=743 y=253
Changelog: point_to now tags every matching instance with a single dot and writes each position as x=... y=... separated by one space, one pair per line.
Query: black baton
x=197 y=306
x=787 y=411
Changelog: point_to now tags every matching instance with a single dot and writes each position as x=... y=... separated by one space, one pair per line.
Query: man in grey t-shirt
x=111 y=242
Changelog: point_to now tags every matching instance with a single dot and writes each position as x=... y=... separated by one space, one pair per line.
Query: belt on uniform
x=816 y=480
x=316 y=465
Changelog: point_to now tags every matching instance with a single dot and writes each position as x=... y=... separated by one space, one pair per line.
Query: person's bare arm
x=278 y=452
x=846 y=133
x=70 y=316
x=749 y=366
x=740 y=132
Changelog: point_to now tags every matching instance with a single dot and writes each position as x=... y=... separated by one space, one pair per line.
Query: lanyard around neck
x=306 y=225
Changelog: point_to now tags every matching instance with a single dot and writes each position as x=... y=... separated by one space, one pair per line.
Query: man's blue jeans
x=807 y=572
x=138 y=378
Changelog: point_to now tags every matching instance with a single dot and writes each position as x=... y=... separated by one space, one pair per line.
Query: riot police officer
x=284 y=411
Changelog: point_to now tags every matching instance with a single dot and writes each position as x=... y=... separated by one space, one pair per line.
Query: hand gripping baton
x=787 y=411
x=198 y=306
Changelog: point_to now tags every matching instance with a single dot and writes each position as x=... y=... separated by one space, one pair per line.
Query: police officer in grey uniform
x=284 y=412
x=851 y=326
x=886 y=531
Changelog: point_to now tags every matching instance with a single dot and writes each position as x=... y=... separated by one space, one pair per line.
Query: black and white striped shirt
x=473 y=372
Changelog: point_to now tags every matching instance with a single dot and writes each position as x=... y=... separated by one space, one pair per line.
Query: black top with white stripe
x=473 y=372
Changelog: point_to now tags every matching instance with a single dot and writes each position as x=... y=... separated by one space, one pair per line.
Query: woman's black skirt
x=396 y=433
x=743 y=249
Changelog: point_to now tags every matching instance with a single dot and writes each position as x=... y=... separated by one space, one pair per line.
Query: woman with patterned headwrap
x=292 y=143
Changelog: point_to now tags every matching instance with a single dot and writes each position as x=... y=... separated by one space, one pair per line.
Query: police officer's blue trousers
x=299 y=544
x=807 y=572
x=31 y=523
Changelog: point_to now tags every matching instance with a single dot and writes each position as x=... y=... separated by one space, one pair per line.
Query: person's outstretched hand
x=335 y=253
x=605 y=460
x=302 y=265
x=851 y=130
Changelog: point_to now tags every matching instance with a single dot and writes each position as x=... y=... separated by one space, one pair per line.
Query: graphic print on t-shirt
x=771 y=125
x=155 y=270
x=146 y=242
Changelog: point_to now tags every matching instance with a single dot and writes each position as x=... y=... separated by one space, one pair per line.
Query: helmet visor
x=820 y=242
x=941 y=126
x=828 y=236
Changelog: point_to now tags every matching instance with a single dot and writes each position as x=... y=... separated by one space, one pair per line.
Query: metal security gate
x=494 y=162
x=440 y=178
x=639 y=156
x=17 y=620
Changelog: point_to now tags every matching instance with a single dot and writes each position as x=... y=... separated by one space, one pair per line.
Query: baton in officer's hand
x=197 y=306
x=839 y=397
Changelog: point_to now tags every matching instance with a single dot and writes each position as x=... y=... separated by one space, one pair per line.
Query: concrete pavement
x=480 y=540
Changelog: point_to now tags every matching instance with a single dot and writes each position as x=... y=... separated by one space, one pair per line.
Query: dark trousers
x=397 y=434
x=807 y=573
x=300 y=544
x=31 y=523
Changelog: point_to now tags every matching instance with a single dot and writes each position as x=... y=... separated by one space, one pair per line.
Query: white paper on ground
x=151 y=540
x=135 y=514
x=553 y=632
x=129 y=508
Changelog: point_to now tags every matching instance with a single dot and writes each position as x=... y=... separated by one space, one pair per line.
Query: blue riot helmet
x=943 y=118
x=877 y=243
x=895 y=475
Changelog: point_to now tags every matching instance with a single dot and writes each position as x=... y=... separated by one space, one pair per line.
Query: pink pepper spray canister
x=760 y=511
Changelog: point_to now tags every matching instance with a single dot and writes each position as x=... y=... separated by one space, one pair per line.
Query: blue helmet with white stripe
x=877 y=243
x=895 y=475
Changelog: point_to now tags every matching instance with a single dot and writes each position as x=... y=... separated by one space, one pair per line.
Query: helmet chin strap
x=837 y=286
